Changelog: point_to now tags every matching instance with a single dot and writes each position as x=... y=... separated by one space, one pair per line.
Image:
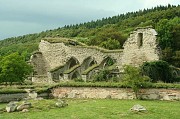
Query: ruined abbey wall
x=57 y=54
x=140 y=47
x=59 y=60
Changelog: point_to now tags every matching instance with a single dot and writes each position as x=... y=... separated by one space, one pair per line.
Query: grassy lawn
x=97 y=109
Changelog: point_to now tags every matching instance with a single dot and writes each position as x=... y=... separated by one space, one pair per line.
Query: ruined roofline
x=146 y=27
x=77 y=44
x=138 y=28
x=63 y=40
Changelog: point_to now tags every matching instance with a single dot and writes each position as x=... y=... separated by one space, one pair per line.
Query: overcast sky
x=19 y=17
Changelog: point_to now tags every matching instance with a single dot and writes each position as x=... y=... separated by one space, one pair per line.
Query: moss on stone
x=56 y=68
x=71 y=69
x=111 y=67
x=101 y=49
x=66 y=41
x=90 y=69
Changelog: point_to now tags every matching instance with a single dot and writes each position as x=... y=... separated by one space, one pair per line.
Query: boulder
x=61 y=103
x=138 y=108
x=11 y=107
x=24 y=105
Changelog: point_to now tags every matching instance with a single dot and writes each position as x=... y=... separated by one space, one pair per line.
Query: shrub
x=158 y=71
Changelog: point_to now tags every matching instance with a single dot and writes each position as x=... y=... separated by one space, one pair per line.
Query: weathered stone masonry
x=115 y=93
x=61 y=59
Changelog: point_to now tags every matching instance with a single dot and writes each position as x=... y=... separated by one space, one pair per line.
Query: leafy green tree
x=108 y=38
x=164 y=29
x=134 y=78
x=13 y=68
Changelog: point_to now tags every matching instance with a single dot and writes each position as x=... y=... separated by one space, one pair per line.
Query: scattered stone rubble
x=13 y=106
x=138 y=108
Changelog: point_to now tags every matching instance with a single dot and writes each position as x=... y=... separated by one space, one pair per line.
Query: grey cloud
x=31 y=16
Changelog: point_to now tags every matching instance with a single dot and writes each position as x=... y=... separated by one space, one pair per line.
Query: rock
x=11 y=107
x=61 y=103
x=25 y=105
x=25 y=110
x=31 y=93
x=138 y=108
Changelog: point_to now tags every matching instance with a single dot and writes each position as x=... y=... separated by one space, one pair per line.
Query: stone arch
x=88 y=62
x=75 y=75
x=107 y=61
x=72 y=62
x=61 y=76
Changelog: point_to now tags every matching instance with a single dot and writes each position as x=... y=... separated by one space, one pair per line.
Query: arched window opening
x=72 y=62
x=88 y=62
x=61 y=76
x=140 y=39
x=92 y=63
x=108 y=61
x=75 y=75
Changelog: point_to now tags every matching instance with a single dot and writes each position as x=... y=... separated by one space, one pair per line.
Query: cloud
x=31 y=16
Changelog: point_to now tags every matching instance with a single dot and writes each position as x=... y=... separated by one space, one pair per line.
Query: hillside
x=111 y=32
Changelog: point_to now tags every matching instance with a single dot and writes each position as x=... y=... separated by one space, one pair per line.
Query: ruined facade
x=61 y=59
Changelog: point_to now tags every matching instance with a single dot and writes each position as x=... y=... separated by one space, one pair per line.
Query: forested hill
x=111 y=32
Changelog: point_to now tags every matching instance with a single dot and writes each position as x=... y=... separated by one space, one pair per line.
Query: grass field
x=98 y=109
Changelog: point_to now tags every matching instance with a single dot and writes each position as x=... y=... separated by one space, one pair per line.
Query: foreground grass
x=97 y=109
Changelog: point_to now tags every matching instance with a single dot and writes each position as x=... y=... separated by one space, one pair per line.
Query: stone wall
x=115 y=93
x=4 y=98
x=39 y=64
x=57 y=54
x=12 y=97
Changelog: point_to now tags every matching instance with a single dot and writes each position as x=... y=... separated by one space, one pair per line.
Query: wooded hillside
x=111 y=32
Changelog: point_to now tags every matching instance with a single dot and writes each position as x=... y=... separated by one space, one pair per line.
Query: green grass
x=98 y=109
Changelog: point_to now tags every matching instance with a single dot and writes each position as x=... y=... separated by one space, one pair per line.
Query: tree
x=164 y=29
x=13 y=68
x=134 y=78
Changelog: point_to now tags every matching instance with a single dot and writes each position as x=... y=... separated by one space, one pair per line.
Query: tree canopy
x=13 y=68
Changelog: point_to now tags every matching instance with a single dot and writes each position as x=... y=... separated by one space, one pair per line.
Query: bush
x=103 y=75
x=158 y=71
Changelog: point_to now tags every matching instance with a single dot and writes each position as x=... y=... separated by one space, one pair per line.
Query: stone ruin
x=65 y=59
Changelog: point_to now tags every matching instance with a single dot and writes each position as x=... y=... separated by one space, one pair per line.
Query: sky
x=20 y=17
